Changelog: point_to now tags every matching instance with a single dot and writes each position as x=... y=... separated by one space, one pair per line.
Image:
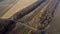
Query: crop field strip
x=4 y=7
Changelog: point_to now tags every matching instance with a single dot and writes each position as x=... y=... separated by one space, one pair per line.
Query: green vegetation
x=58 y=32
x=26 y=31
